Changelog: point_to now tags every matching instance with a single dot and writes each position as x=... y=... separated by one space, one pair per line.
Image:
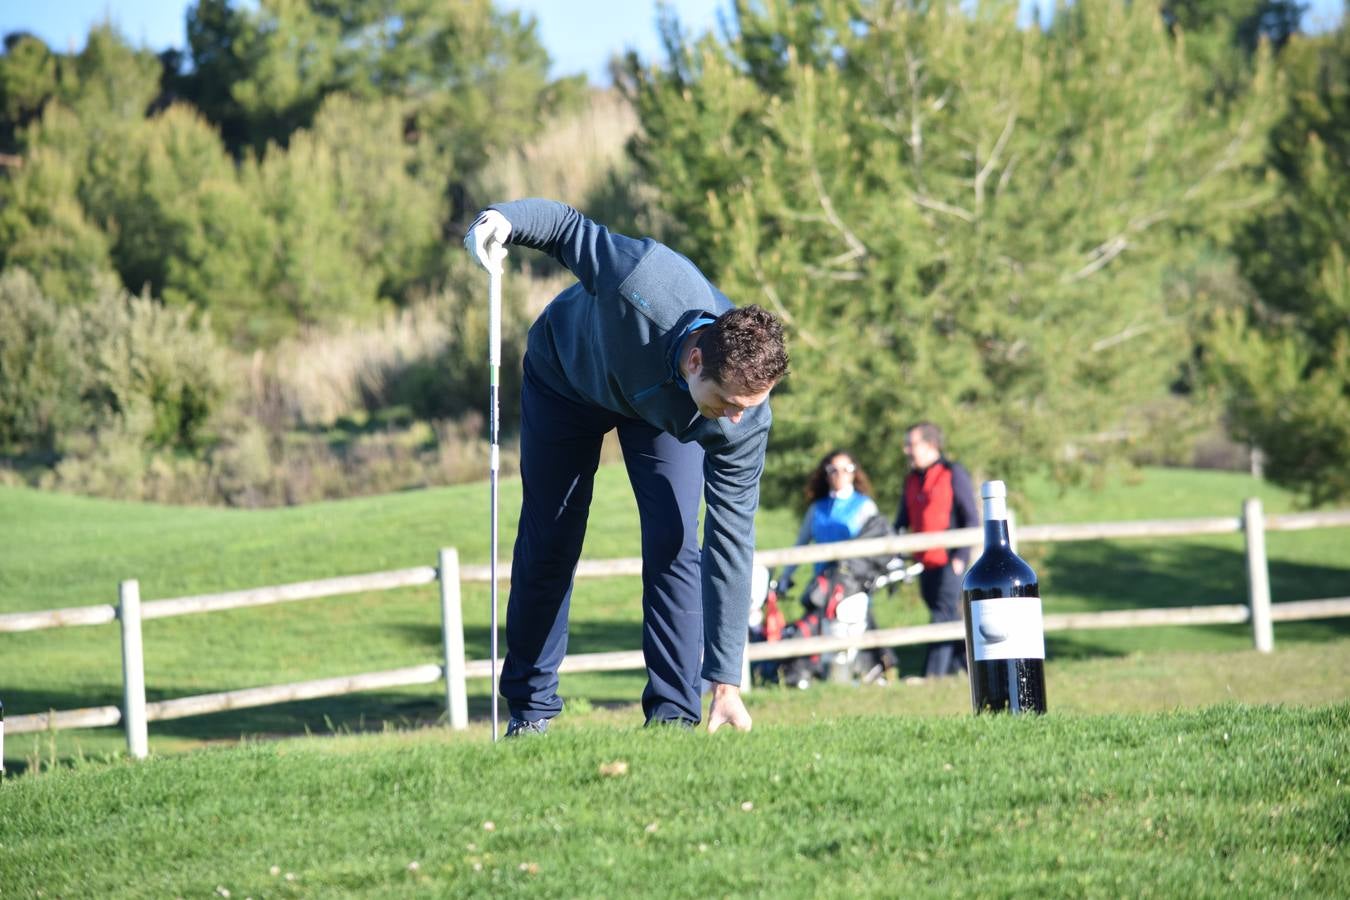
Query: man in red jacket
x=938 y=496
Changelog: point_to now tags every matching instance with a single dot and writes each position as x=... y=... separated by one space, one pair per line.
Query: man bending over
x=645 y=344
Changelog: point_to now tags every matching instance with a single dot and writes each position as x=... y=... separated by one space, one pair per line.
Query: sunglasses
x=850 y=468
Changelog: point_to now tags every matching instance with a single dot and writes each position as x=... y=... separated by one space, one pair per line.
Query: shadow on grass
x=1123 y=576
x=583 y=637
x=1112 y=575
x=361 y=713
x=350 y=714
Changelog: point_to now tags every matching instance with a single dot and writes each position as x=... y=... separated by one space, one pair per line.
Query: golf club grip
x=494 y=363
x=494 y=318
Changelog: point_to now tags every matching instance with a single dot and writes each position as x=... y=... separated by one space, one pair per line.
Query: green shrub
x=158 y=373
x=115 y=463
x=43 y=226
x=242 y=470
x=40 y=376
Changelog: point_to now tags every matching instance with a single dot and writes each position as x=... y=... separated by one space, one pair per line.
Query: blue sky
x=581 y=35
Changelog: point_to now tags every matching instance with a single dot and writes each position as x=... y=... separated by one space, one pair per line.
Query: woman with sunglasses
x=838 y=505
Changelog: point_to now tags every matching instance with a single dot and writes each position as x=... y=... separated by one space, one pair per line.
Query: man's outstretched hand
x=727 y=708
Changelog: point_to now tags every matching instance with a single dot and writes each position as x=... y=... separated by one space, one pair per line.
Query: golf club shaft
x=494 y=369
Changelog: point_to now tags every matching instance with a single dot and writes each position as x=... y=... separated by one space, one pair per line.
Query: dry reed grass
x=322 y=377
x=575 y=155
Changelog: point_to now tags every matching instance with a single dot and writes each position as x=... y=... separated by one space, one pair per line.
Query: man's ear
x=695 y=361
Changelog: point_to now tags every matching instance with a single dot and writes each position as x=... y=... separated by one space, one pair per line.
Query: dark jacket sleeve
x=965 y=512
x=731 y=474
x=902 y=514
x=599 y=258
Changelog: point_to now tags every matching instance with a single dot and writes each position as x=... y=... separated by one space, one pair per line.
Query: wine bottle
x=1005 y=639
x=2 y=739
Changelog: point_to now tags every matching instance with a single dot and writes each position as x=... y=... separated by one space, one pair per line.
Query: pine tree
x=44 y=228
x=472 y=79
x=1284 y=361
x=51 y=222
x=958 y=218
x=27 y=82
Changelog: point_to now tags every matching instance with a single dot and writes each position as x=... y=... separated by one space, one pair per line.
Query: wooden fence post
x=133 y=669
x=452 y=639
x=1258 y=575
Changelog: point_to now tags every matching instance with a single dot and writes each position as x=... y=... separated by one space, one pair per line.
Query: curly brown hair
x=818 y=482
x=744 y=348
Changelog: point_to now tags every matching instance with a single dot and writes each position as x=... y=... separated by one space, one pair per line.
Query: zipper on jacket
x=645 y=392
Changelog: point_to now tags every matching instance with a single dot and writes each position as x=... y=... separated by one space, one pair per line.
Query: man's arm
x=600 y=259
x=731 y=474
x=965 y=514
x=902 y=515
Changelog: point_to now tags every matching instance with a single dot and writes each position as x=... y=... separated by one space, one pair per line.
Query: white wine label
x=1009 y=628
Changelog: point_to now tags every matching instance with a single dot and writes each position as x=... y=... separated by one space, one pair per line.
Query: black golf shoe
x=519 y=727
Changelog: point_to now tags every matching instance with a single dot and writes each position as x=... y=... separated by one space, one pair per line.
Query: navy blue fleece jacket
x=609 y=340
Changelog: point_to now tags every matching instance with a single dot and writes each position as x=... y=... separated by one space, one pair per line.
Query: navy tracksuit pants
x=560 y=442
x=941 y=590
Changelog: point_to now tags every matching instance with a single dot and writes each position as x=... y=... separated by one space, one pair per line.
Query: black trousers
x=941 y=590
x=559 y=452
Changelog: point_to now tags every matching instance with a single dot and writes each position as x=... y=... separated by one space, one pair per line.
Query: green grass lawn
x=1228 y=801
x=58 y=551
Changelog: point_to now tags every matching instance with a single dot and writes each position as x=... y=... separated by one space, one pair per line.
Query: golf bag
x=838 y=602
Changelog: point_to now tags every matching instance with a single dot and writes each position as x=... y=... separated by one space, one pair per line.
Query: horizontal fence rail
x=1301 y=610
x=56 y=720
x=58 y=618
x=204 y=603
x=456 y=669
x=287 y=593
x=628 y=660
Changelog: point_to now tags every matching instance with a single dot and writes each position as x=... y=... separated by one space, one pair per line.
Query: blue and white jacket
x=831 y=519
x=610 y=340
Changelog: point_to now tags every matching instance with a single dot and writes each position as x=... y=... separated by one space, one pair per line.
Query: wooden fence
x=135 y=712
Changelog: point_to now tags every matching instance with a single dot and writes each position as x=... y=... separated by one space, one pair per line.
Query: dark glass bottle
x=1005 y=639
x=2 y=739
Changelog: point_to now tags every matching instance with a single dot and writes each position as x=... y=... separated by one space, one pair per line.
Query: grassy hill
x=58 y=550
x=1229 y=801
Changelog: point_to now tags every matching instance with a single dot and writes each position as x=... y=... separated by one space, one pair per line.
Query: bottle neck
x=996 y=522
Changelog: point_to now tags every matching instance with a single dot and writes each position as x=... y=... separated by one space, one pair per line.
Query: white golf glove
x=486 y=240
